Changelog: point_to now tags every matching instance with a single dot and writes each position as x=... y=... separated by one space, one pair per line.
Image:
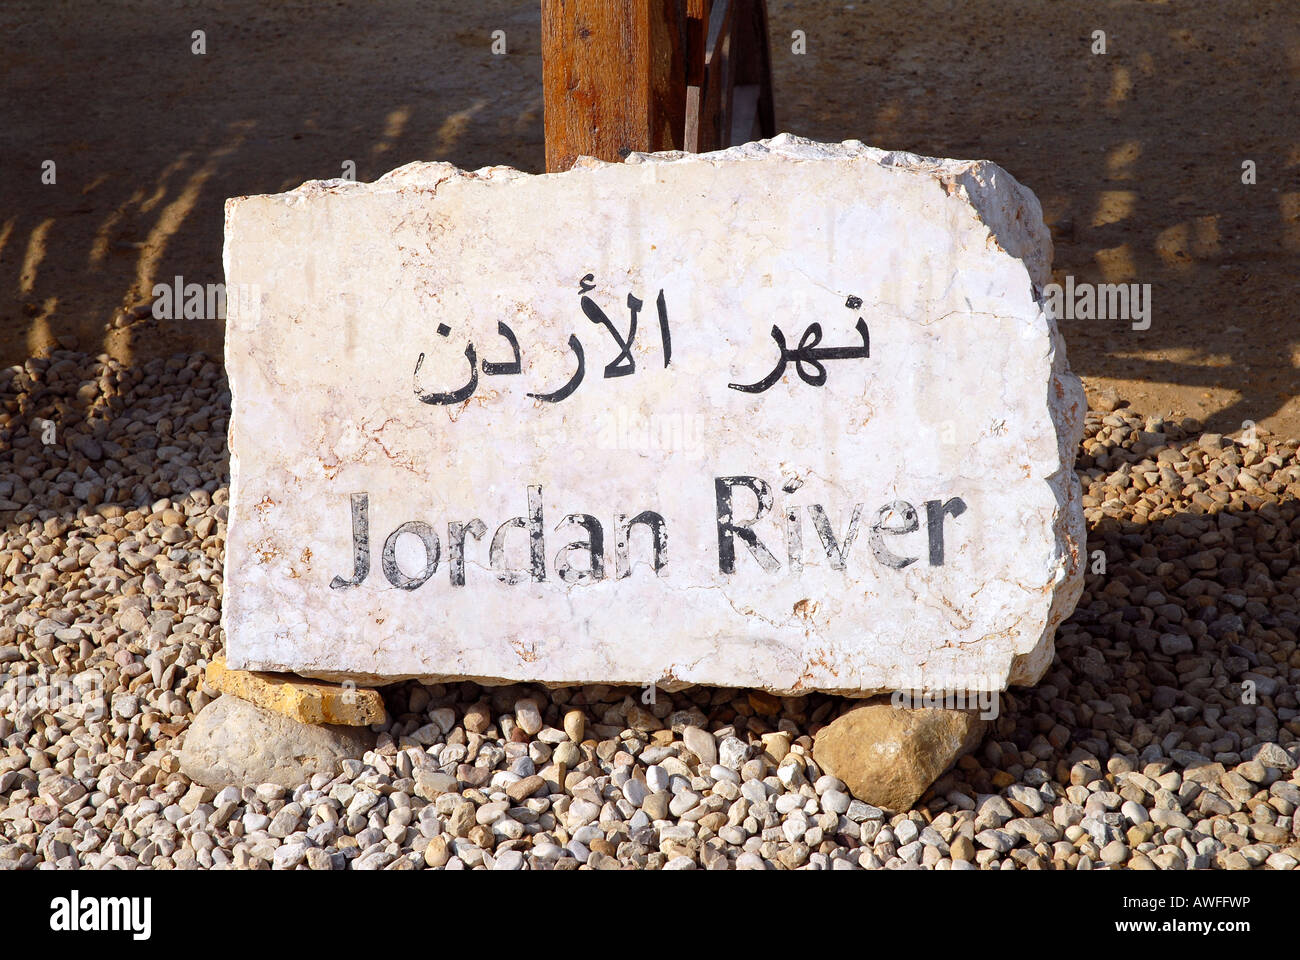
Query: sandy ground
x=1136 y=154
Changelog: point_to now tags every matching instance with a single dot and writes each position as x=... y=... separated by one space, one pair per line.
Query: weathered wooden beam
x=613 y=78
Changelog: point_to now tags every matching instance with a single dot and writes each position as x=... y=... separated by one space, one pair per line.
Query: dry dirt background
x=1136 y=155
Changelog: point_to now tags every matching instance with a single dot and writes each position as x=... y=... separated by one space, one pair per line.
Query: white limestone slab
x=959 y=391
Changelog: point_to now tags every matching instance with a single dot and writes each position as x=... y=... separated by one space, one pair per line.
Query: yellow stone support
x=308 y=701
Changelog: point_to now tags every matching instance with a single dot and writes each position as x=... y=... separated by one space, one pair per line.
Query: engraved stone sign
x=788 y=416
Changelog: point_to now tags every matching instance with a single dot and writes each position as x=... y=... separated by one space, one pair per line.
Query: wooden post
x=642 y=75
x=613 y=78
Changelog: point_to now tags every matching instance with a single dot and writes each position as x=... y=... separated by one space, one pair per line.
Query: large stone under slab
x=889 y=756
x=234 y=742
x=836 y=453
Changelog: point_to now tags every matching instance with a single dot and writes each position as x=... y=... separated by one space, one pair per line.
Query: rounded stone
x=233 y=742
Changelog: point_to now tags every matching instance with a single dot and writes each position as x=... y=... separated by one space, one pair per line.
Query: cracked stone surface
x=353 y=307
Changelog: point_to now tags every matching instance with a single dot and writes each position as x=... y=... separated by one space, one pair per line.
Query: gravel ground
x=1163 y=737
